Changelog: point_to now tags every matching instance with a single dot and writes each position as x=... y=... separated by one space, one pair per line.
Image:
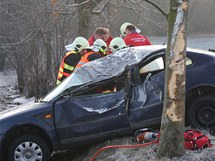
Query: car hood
x=19 y=109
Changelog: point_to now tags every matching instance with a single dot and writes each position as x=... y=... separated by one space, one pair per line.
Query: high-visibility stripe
x=63 y=67
x=60 y=75
x=60 y=69
x=68 y=67
x=58 y=82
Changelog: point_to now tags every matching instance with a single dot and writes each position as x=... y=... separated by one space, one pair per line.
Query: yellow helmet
x=117 y=43
x=123 y=28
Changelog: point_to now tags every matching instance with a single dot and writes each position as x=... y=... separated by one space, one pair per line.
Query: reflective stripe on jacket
x=65 y=67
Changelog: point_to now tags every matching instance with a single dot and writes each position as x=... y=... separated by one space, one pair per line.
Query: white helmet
x=123 y=28
x=117 y=43
x=80 y=43
x=100 y=43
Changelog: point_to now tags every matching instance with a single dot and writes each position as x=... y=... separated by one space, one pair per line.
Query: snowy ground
x=7 y=89
x=9 y=97
x=194 y=41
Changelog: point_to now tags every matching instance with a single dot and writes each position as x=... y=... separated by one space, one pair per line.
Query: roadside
x=9 y=94
x=8 y=86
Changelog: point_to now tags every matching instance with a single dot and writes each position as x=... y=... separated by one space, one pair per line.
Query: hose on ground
x=122 y=146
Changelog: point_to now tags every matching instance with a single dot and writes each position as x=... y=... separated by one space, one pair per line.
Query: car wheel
x=28 y=148
x=201 y=112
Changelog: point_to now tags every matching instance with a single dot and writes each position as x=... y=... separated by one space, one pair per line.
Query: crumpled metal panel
x=101 y=103
x=146 y=100
x=146 y=93
x=89 y=114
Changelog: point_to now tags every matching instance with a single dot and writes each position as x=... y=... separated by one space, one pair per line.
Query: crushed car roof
x=114 y=64
x=104 y=68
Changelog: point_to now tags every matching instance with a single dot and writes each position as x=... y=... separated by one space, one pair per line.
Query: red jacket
x=136 y=39
x=92 y=39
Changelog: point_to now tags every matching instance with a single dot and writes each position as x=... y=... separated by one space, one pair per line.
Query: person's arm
x=72 y=60
x=93 y=56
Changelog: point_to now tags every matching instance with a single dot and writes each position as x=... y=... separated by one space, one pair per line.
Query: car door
x=146 y=97
x=89 y=115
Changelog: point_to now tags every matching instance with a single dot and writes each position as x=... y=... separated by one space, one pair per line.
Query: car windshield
x=102 y=69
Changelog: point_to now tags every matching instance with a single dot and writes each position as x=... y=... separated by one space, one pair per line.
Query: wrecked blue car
x=106 y=98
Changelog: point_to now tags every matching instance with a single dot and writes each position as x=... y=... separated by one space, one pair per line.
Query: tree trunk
x=2 y=59
x=84 y=14
x=172 y=124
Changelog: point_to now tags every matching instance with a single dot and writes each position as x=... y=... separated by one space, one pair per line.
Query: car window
x=155 y=65
x=104 y=87
x=158 y=64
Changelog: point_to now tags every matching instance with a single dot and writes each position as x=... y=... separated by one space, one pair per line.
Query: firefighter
x=71 y=59
x=116 y=44
x=123 y=29
x=97 y=50
x=132 y=36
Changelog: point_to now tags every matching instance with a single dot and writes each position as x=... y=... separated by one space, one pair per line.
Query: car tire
x=201 y=112
x=28 y=147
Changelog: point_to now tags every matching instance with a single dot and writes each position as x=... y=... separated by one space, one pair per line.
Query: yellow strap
x=71 y=52
x=103 y=51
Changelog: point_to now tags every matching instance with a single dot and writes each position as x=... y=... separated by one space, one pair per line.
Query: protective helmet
x=80 y=43
x=100 y=43
x=100 y=46
x=123 y=28
x=117 y=43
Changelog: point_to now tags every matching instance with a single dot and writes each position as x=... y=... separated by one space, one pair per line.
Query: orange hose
x=122 y=146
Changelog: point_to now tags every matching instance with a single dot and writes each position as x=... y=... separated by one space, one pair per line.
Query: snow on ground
x=7 y=88
x=195 y=41
x=9 y=95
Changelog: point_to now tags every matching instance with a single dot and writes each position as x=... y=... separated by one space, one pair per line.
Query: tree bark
x=172 y=124
x=84 y=14
x=2 y=59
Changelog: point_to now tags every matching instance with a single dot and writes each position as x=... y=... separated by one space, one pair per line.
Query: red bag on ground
x=195 y=140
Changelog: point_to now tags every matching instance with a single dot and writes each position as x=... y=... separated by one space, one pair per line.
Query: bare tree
x=173 y=117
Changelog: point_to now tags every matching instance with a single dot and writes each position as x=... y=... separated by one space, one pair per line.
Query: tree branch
x=158 y=8
x=99 y=7
x=77 y=4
